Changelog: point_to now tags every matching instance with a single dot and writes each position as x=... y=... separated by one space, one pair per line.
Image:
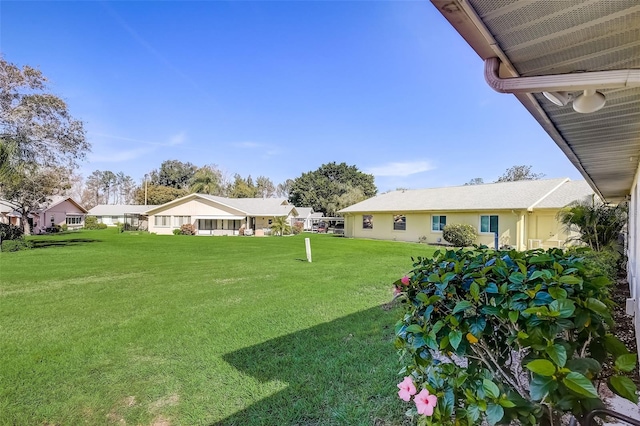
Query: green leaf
x=490 y=388
x=474 y=412
x=614 y=345
x=422 y=297
x=437 y=326
x=433 y=278
x=461 y=306
x=444 y=342
x=495 y=413
x=536 y=275
x=540 y=386
x=474 y=290
x=540 y=259
x=570 y=279
x=542 y=367
x=597 y=306
x=448 y=277
x=558 y=354
x=513 y=316
x=517 y=277
x=506 y=403
x=580 y=385
x=626 y=362
x=565 y=307
x=455 y=336
x=558 y=292
x=624 y=387
x=414 y=328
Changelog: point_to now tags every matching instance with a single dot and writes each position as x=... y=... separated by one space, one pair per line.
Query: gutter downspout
x=596 y=80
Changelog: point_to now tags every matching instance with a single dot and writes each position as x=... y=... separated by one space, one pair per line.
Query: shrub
x=187 y=229
x=605 y=262
x=10 y=232
x=499 y=336
x=297 y=228
x=91 y=222
x=176 y=231
x=16 y=245
x=460 y=235
x=64 y=227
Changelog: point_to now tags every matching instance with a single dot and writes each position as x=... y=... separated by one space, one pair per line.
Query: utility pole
x=145 y=189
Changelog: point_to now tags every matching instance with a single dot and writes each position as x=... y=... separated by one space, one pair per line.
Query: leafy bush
x=460 y=235
x=176 y=231
x=506 y=335
x=10 y=232
x=187 y=229
x=297 y=228
x=605 y=262
x=91 y=222
x=16 y=245
x=64 y=227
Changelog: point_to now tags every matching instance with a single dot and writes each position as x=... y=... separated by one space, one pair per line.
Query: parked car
x=322 y=228
x=339 y=229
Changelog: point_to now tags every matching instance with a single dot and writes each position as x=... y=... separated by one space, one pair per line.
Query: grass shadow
x=36 y=244
x=343 y=372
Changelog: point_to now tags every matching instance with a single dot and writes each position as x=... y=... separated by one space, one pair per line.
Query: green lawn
x=104 y=328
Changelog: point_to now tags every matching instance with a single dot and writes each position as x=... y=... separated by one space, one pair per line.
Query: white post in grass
x=307 y=244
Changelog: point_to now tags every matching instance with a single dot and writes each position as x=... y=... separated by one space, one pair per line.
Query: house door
x=548 y=230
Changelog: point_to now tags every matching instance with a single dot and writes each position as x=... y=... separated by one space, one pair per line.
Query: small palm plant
x=280 y=226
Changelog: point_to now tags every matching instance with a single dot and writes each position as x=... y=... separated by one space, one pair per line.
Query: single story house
x=213 y=215
x=113 y=214
x=522 y=213
x=307 y=216
x=8 y=213
x=575 y=70
x=59 y=211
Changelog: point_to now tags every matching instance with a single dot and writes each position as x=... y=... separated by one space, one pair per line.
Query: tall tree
x=283 y=189
x=207 y=180
x=36 y=127
x=174 y=174
x=519 y=173
x=32 y=188
x=158 y=194
x=264 y=187
x=241 y=188
x=318 y=189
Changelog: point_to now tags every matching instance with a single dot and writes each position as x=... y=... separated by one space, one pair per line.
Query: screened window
x=162 y=221
x=367 y=221
x=438 y=223
x=399 y=222
x=74 y=220
x=182 y=220
x=489 y=223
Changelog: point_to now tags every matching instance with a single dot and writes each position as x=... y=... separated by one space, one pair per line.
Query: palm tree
x=599 y=224
x=206 y=180
x=280 y=226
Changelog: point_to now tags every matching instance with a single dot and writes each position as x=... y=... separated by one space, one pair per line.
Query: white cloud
x=406 y=168
x=178 y=139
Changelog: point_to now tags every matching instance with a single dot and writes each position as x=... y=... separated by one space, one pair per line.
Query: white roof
x=517 y=195
x=118 y=209
x=249 y=206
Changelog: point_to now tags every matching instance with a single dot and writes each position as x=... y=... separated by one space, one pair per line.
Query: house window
x=270 y=221
x=162 y=221
x=438 y=223
x=489 y=223
x=367 y=221
x=182 y=220
x=399 y=222
x=114 y=219
x=74 y=220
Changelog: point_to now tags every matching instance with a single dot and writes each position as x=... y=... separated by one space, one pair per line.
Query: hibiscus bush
x=498 y=336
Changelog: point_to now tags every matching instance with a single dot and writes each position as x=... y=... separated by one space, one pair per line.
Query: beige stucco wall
x=544 y=230
x=419 y=227
x=192 y=207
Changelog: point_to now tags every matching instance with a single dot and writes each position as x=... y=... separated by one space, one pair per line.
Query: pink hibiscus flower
x=405 y=280
x=407 y=388
x=425 y=402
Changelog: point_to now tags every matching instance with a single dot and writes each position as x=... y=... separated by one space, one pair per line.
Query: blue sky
x=277 y=88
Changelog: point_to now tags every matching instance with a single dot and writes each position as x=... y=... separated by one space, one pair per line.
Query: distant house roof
x=119 y=209
x=249 y=206
x=58 y=199
x=304 y=212
x=518 y=195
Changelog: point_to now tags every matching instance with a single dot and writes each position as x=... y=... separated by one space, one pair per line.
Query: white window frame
x=75 y=220
x=181 y=220
x=489 y=231
x=440 y=224
x=164 y=222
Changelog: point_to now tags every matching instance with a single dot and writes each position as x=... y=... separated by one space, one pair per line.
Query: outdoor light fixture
x=589 y=101
x=559 y=98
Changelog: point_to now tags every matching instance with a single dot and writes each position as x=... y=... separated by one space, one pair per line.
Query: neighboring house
x=8 y=213
x=213 y=215
x=113 y=214
x=522 y=213
x=308 y=217
x=60 y=211
x=533 y=47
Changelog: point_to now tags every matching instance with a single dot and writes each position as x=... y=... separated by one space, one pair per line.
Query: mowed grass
x=100 y=328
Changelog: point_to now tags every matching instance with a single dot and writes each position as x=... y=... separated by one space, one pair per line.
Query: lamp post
x=145 y=189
